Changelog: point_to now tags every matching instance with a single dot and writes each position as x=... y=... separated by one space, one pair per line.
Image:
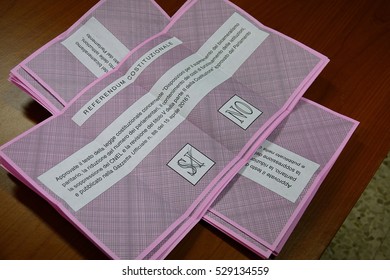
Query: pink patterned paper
x=53 y=76
x=139 y=217
x=40 y=94
x=265 y=220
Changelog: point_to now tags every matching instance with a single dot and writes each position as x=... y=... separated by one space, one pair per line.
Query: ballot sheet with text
x=137 y=157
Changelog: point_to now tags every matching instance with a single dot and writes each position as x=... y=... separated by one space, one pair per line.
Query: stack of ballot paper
x=158 y=123
x=54 y=74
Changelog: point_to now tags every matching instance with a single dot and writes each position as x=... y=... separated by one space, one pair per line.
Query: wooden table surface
x=355 y=35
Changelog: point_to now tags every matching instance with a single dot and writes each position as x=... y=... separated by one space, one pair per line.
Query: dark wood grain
x=355 y=35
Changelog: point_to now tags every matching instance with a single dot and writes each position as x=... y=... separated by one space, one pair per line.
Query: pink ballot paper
x=95 y=44
x=263 y=203
x=138 y=157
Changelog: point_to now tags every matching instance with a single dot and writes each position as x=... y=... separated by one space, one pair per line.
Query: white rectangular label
x=137 y=131
x=96 y=47
x=191 y=164
x=121 y=83
x=280 y=170
x=240 y=112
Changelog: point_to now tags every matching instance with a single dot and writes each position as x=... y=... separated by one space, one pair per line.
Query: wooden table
x=355 y=35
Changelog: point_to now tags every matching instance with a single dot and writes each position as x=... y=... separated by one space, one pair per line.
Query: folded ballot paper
x=94 y=45
x=137 y=157
x=263 y=203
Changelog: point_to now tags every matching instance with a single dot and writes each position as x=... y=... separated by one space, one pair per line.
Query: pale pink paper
x=251 y=226
x=59 y=75
x=164 y=242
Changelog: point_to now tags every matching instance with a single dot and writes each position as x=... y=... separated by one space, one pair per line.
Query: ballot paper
x=91 y=47
x=137 y=157
x=263 y=203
